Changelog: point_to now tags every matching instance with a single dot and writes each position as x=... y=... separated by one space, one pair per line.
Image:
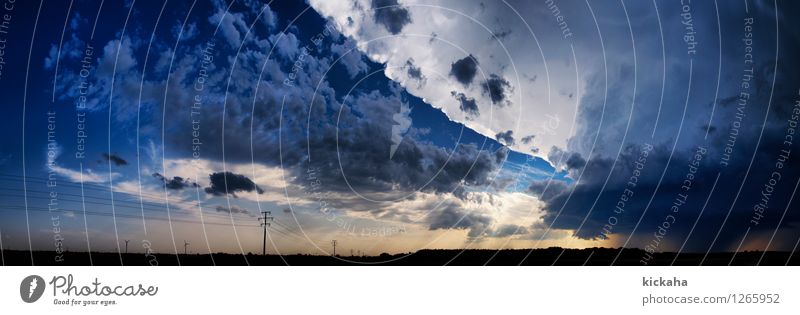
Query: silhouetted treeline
x=425 y=257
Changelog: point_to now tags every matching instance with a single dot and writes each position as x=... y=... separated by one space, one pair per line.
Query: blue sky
x=395 y=126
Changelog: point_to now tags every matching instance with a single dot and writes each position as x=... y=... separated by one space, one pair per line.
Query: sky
x=393 y=126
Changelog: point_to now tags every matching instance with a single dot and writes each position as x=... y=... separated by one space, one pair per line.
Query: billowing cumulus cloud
x=439 y=153
x=304 y=122
x=487 y=53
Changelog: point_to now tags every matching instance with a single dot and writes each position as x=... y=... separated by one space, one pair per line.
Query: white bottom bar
x=405 y=290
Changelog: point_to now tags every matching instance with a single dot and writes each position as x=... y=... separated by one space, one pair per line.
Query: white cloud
x=444 y=31
x=270 y=179
x=88 y=175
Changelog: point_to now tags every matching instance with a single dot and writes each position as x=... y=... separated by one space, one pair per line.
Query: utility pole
x=126 y=246
x=266 y=217
x=334 y=242
x=185 y=245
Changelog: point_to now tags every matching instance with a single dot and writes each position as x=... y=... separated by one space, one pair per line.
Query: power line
x=147 y=205
x=138 y=197
x=103 y=198
x=287 y=234
x=265 y=223
x=134 y=204
x=334 y=242
x=101 y=189
x=124 y=216
x=290 y=229
x=147 y=208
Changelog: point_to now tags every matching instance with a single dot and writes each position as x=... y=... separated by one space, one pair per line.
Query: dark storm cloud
x=466 y=104
x=496 y=87
x=350 y=147
x=116 y=159
x=416 y=164
x=454 y=217
x=464 y=70
x=611 y=118
x=547 y=189
x=391 y=15
x=505 y=137
x=287 y=122
x=570 y=160
x=290 y=116
x=574 y=161
x=223 y=183
x=176 y=183
x=659 y=186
